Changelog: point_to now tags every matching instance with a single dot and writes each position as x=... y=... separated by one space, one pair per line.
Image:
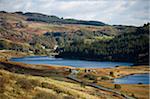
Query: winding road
x=72 y=77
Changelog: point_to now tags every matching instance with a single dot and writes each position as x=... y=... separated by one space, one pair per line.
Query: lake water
x=133 y=79
x=68 y=62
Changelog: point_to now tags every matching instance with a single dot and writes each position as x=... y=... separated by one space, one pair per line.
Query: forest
x=130 y=47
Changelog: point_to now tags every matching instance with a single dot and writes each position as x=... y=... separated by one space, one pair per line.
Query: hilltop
x=38 y=17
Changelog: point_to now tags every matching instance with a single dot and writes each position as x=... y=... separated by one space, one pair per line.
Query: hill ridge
x=39 y=17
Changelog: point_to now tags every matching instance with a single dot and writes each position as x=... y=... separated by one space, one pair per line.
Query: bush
x=95 y=81
x=111 y=74
x=25 y=84
x=45 y=85
x=133 y=95
x=90 y=76
x=58 y=90
x=3 y=82
x=49 y=86
x=68 y=97
x=82 y=84
x=105 y=78
x=35 y=83
x=44 y=95
x=117 y=86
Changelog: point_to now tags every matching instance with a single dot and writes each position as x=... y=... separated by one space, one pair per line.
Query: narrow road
x=100 y=87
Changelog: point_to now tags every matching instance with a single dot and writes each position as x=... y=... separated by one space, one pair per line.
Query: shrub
x=35 y=83
x=82 y=84
x=45 y=85
x=58 y=90
x=117 y=86
x=95 y=81
x=3 y=82
x=25 y=84
x=68 y=97
x=44 y=95
x=49 y=86
x=133 y=95
x=90 y=76
x=105 y=78
x=111 y=74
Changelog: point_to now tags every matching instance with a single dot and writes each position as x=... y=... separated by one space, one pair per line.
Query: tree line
x=130 y=47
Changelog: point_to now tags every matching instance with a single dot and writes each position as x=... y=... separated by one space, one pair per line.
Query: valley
x=87 y=42
x=103 y=52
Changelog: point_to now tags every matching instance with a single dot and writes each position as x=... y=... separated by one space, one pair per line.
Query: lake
x=133 y=79
x=68 y=62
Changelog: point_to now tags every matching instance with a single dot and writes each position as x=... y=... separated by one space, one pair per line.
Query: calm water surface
x=133 y=79
x=68 y=62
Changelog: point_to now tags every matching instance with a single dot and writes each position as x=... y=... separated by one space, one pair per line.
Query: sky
x=113 y=12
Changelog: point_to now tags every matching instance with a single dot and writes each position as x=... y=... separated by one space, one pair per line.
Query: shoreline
x=57 y=66
x=59 y=72
x=46 y=66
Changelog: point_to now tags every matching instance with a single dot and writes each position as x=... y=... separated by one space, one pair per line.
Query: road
x=72 y=77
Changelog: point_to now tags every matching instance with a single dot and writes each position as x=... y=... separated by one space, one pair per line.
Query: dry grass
x=10 y=53
x=26 y=86
x=139 y=91
x=106 y=74
x=120 y=71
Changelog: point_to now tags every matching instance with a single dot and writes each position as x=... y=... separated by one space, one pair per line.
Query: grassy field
x=9 y=53
x=105 y=76
x=139 y=91
x=14 y=86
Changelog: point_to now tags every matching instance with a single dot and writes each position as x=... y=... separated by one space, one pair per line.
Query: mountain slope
x=106 y=42
x=54 y=19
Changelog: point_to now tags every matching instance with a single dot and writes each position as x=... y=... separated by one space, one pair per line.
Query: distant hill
x=54 y=19
x=39 y=34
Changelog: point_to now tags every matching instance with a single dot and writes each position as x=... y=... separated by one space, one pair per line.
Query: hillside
x=38 y=17
x=16 y=86
x=130 y=47
x=40 y=34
